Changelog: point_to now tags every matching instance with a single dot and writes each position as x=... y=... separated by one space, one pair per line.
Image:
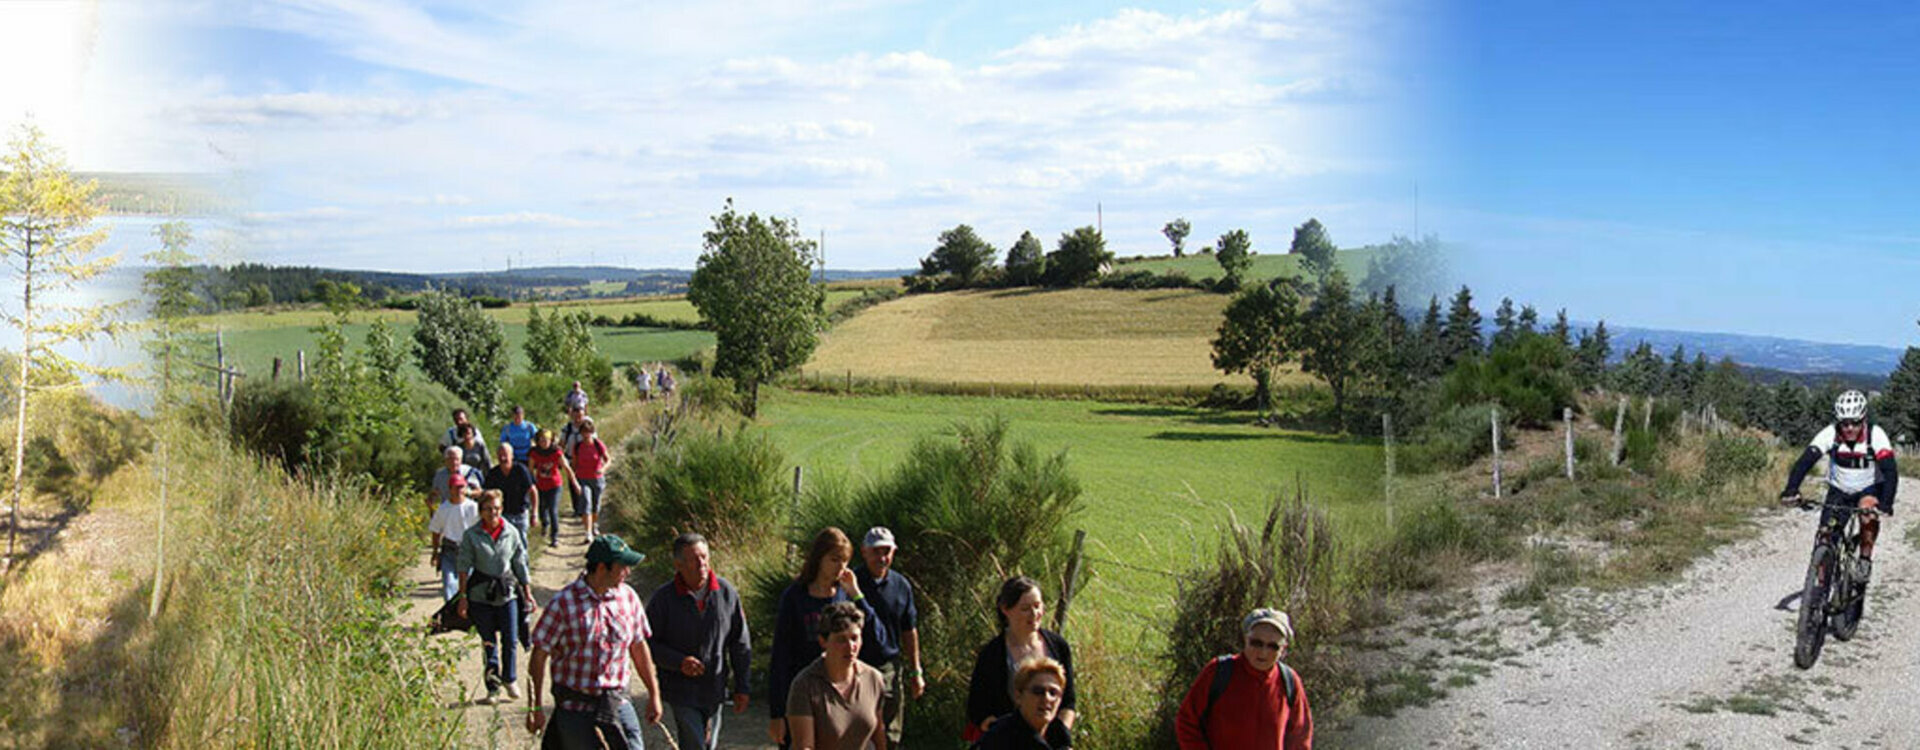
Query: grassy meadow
x=1096 y=337
x=1157 y=481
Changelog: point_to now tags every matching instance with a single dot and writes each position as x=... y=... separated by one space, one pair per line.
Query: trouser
x=550 y=513
x=449 y=580
x=590 y=496
x=519 y=521
x=501 y=623
x=577 y=730
x=893 y=700
x=696 y=727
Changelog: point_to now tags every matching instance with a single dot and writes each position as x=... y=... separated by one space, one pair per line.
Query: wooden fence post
x=1566 y=414
x=276 y=370
x=1386 y=430
x=1496 y=452
x=796 y=489
x=1071 y=584
x=300 y=365
x=1619 y=422
x=1646 y=416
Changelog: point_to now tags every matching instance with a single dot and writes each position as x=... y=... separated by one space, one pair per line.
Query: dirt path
x=1704 y=663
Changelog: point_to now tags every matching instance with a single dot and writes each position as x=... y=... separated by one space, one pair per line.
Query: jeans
x=695 y=727
x=449 y=580
x=550 y=513
x=575 y=729
x=591 y=491
x=519 y=521
x=502 y=622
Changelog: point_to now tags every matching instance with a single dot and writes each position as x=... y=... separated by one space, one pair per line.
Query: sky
x=1655 y=164
x=1742 y=168
x=429 y=136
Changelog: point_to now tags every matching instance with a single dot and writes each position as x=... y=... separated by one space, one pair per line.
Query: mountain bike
x=1835 y=594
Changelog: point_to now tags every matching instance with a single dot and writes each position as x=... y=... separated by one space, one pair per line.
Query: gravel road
x=1703 y=663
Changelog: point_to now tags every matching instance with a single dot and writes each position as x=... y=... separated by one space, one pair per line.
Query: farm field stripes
x=1072 y=337
x=1157 y=481
x=254 y=349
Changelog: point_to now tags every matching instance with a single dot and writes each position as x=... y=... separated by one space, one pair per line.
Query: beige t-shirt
x=839 y=723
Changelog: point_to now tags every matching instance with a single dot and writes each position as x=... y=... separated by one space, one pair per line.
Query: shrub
x=1294 y=563
x=1527 y=377
x=273 y=419
x=1453 y=439
x=1730 y=457
x=729 y=487
x=968 y=511
x=1413 y=557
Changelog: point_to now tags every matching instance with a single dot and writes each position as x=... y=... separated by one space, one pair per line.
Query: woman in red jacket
x=1249 y=700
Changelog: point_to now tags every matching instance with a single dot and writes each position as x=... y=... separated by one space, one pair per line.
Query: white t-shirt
x=451 y=520
x=1850 y=466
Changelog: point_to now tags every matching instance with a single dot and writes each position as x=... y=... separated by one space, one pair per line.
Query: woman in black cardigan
x=990 y=694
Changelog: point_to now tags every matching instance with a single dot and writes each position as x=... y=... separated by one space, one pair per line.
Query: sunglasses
x=1270 y=645
x=1042 y=691
x=1852 y=422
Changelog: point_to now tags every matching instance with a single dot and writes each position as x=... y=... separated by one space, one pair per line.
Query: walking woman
x=824 y=580
x=549 y=465
x=990 y=694
x=587 y=464
x=494 y=587
x=1038 y=687
x=834 y=703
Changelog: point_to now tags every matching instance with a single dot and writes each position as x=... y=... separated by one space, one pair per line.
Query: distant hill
x=1788 y=356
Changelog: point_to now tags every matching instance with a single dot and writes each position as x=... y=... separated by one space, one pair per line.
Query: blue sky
x=423 y=135
x=1746 y=167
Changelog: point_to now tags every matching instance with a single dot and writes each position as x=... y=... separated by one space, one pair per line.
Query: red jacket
x=1252 y=714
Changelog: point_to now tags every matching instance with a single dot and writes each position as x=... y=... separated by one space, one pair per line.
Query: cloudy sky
x=430 y=136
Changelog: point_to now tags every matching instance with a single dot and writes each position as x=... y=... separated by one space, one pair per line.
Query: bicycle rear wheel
x=1812 y=631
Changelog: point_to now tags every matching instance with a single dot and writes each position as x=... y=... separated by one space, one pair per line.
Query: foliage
x=1591 y=354
x=960 y=253
x=1526 y=377
x=1144 y=279
x=1462 y=332
x=1315 y=248
x=1078 y=259
x=1234 y=253
x=730 y=487
x=753 y=286
x=1176 y=232
x=1416 y=268
x=363 y=398
x=168 y=287
x=462 y=348
x=1293 y=562
x=1337 y=340
x=1026 y=261
x=276 y=420
x=1254 y=335
x=1899 y=407
x=562 y=344
x=1454 y=438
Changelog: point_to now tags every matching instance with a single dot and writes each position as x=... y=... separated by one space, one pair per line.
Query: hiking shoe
x=513 y=692
x=493 y=696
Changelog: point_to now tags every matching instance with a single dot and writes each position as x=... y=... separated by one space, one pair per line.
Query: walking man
x=515 y=482
x=700 y=637
x=451 y=518
x=590 y=631
x=895 y=648
x=1250 y=699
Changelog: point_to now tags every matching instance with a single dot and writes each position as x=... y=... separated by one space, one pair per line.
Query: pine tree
x=1503 y=323
x=1561 y=330
x=1463 y=330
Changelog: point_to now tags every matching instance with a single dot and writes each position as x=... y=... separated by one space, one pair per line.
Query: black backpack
x=1223 y=674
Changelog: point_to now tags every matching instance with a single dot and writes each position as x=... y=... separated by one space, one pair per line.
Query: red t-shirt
x=1252 y=713
x=589 y=457
x=546 y=467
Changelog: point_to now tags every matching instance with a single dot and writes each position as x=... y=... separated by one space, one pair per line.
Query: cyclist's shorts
x=1852 y=499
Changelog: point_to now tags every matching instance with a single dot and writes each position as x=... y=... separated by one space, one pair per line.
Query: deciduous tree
x=752 y=285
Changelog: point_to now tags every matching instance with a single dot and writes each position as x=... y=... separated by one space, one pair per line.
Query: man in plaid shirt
x=590 y=629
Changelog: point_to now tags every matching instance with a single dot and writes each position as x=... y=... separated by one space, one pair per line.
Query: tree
x=1431 y=342
x=1590 y=357
x=45 y=241
x=752 y=285
x=1176 y=232
x=1026 y=261
x=461 y=347
x=170 y=299
x=1253 y=335
x=1078 y=259
x=1235 y=255
x=1900 y=405
x=1315 y=248
x=1562 y=330
x=1462 y=331
x=1415 y=268
x=1336 y=340
x=562 y=344
x=1504 y=324
x=1397 y=362
x=1529 y=321
x=961 y=253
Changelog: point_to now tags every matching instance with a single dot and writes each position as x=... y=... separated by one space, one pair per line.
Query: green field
x=1157 y=481
x=1266 y=265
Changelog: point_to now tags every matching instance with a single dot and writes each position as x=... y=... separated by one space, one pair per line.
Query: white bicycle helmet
x=1851 y=405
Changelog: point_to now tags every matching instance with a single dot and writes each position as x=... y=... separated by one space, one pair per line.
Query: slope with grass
x=1266 y=265
x=1072 y=337
x=1157 y=480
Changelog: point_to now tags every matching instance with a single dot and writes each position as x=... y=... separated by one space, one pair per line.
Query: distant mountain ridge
x=1795 y=356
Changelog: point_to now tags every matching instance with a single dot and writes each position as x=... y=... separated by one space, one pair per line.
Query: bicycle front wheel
x=1847 y=620
x=1812 y=631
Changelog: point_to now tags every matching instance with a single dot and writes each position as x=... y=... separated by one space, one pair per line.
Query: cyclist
x=1860 y=470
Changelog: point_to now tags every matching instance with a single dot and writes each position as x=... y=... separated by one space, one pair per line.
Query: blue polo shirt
x=520 y=437
x=892 y=601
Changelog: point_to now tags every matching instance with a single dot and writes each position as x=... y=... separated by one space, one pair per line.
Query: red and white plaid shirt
x=589 y=636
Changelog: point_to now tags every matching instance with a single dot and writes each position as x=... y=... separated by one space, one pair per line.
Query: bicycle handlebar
x=1807 y=503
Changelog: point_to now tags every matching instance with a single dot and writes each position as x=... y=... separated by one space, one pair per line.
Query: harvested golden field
x=1070 y=337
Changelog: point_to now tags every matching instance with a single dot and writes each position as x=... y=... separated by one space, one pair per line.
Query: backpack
x=1223 y=674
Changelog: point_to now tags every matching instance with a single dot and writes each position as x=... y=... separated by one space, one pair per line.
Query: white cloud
x=436 y=199
x=777 y=136
x=310 y=108
x=525 y=219
x=317 y=213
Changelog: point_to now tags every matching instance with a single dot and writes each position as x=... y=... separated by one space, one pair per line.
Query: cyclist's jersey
x=1851 y=466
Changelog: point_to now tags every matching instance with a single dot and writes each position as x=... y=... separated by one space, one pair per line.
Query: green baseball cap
x=610 y=548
